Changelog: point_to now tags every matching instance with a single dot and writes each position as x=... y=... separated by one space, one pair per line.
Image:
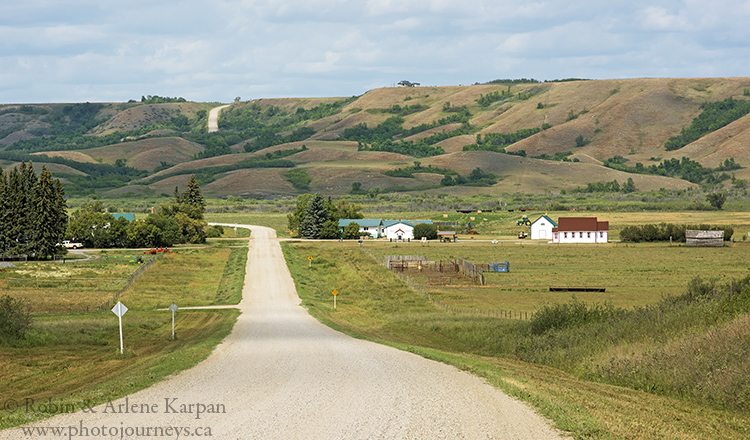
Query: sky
x=218 y=50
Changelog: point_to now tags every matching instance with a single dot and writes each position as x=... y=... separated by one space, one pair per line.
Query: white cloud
x=215 y=50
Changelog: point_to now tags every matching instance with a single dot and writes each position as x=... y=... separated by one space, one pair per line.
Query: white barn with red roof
x=580 y=230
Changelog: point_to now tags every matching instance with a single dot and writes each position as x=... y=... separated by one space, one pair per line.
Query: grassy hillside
x=571 y=127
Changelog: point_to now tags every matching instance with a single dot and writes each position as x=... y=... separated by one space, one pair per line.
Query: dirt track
x=281 y=374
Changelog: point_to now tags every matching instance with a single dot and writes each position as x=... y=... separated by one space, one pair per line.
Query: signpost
x=310 y=259
x=335 y=293
x=173 y=308
x=119 y=309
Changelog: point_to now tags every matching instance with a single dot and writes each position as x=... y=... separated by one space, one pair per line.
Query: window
x=588 y=235
x=565 y=235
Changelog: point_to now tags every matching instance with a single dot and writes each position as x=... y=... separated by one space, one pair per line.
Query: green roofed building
x=129 y=216
x=366 y=225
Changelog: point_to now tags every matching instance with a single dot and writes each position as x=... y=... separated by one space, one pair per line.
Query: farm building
x=541 y=228
x=580 y=230
x=401 y=229
x=366 y=226
x=129 y=216
x=704 y=238
x=447 y=236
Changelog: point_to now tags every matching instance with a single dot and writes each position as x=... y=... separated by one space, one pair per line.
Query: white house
x=397 y=230
x=401 y=229
x=541 y=229
x=580 y=230
x=366 y=226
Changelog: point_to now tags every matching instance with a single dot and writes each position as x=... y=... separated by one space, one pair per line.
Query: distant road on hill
x=213 y=118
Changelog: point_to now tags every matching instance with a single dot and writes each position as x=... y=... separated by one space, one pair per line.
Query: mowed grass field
x=632 y=274
x=68 y=358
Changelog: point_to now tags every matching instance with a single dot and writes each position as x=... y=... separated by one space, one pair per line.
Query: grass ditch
x=561 y=370
x=71 y=358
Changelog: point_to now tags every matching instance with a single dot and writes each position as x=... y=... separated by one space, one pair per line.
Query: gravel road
x=281 y=374
x=213 y=118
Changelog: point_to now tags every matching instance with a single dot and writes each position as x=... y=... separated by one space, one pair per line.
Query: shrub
x=215 y=231
x=14 y=319
x=573 y=314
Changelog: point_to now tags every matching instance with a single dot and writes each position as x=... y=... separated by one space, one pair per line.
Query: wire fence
x=477 y=312
x=117 y=286
x=129 y=282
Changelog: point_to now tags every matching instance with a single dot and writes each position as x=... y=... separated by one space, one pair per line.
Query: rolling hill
x=558 y=136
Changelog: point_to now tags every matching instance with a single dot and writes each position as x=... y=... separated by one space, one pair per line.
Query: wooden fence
x=488 y=313
x=472 y=271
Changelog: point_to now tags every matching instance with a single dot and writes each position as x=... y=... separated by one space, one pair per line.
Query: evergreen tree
x=316 y=214
x=15 y=221
x=187 y=210
x=193 y=194
x=46 y=233
x=3 y=212
x=30 y=182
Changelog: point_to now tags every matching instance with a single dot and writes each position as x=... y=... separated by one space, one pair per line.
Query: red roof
x=580 y=224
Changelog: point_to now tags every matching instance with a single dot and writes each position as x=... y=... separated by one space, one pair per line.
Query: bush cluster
x=14 y=319
x=667 y=232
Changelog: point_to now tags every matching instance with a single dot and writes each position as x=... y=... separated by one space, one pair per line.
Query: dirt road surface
x=281 y=374
x=213 y=118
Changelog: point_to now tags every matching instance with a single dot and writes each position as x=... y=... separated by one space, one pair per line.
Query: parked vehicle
x=71 y=244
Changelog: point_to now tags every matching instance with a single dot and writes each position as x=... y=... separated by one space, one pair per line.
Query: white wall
x=541 y=230
x=581 y=237
x=392 y=232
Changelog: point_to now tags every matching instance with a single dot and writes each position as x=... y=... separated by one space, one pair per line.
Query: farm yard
x=632 y=274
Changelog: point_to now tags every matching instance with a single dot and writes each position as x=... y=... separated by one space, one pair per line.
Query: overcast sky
x=101 y=51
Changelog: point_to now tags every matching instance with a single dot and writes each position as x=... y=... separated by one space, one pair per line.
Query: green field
x=632 y=274
x=643 y=367
x=70 y=357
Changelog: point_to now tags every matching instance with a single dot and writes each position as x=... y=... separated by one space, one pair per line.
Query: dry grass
x=144 y=115
x=72 y=155
x=148 y=154
x=631 y=118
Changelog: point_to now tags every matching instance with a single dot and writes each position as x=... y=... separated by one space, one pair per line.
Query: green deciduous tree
x=351 y=231
x=717 y=199
x=425 y=230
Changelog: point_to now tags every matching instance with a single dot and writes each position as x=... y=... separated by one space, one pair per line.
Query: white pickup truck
x=72 y=245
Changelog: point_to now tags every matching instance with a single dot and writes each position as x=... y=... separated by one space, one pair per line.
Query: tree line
x=317 y=217
x=33 y=213
x=180 y=221
x=667 y=232
x=714 y=116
